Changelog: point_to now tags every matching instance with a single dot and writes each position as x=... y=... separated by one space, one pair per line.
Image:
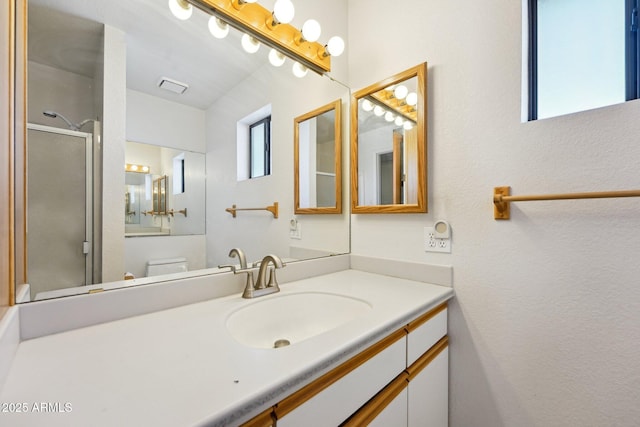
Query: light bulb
x=335 y=46
x=399 y=121
x=408 y=125
x=218 y=28
x=180 y=9
x=378 y=111
x=412 y=99
x=400 y=92
x=134 y=167
x=276 y=58
x=145 y=169
x=389 y=116
x=299 y=70
x=367 y=105
x=283 y=11
x=311 y=30
x=249 y=44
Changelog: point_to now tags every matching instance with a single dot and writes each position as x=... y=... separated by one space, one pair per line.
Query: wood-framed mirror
x=389 y=145
x=317 y=153
x=160 y=186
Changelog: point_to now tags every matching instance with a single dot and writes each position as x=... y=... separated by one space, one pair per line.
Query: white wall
x=156 y=121
x=69 y=94
x=113 y=143
x=545 y=326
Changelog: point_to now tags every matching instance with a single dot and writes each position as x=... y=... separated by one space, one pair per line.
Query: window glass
x=259 y=143
x=581 y=55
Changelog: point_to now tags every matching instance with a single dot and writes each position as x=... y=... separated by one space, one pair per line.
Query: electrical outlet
x=295 y=230
x=434 y=244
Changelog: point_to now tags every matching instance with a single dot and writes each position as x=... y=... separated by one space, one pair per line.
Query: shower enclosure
x=60 y=208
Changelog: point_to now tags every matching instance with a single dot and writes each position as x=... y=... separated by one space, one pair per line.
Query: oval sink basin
x=290 y=318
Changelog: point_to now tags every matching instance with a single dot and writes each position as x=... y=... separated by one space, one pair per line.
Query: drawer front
x=424 y=336
x=337 y=402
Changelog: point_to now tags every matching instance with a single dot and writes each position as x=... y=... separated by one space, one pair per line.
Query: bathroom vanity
x=362 y=346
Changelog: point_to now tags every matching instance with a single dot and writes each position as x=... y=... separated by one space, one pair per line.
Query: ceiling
x=67 y=34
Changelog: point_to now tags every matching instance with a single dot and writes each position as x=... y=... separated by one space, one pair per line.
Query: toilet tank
x=157 y=267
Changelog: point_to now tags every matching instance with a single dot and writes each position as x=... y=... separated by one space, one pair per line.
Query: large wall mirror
x=95 y=69
x=388 y=145
x=318 y=160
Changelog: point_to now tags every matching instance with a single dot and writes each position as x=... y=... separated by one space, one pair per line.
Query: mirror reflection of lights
x=367 y=105
x=299 y=70
x=399 y=121
x=412 y=99
x=400 y=92
x=276 y=58
x=378 y=111
x=181 y=9
x=389 y=116
x=218 y=28
x=131 y=167
x=249 y=43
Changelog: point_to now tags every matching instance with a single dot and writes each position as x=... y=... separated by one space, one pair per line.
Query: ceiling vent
x=173 y=85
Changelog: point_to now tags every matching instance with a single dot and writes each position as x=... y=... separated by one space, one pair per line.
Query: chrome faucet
x=262 y=286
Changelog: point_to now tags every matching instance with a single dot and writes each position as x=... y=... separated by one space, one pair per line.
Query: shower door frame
x=88 y=235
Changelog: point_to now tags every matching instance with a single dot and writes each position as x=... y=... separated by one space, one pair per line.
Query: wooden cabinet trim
x=307 y=392
x=265 y=419
x=365 y=415
x=427 y=357
x=412 y=326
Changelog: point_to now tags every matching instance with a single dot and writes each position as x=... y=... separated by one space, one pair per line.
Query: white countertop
x=180 y=367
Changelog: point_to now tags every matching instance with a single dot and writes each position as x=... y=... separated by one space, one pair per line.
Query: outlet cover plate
x=434 y=244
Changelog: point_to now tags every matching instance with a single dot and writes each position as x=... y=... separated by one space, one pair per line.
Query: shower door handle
x=85 y=247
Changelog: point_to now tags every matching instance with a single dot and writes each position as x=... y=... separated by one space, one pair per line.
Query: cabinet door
x=395 y=414
x=429 y=394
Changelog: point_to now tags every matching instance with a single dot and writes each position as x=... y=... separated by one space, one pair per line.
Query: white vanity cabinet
x=422 y=389
x=332 y=398
x=401 y=380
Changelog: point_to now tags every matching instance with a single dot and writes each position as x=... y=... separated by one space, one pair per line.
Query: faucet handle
x=232 y=267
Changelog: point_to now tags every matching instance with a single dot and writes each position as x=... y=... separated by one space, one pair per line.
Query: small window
x=582 y=55
x=178 y=174
x=260 y=148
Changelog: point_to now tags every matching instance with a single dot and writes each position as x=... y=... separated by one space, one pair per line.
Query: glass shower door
x=59 y=214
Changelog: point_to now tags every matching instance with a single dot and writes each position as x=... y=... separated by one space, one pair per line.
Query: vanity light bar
x=256 y=21
x=130 y=167
x=388 y=101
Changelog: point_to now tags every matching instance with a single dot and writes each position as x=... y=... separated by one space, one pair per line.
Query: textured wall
x=545 y=327
x=113 y=143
